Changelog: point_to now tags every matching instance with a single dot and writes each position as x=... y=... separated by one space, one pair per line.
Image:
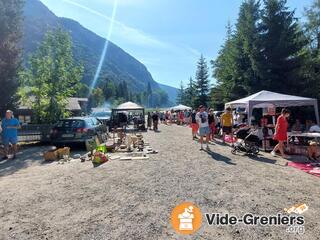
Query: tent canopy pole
x=316 y=110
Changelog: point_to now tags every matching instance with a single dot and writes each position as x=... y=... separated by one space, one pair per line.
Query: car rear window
x=101 y=114
x=71 y=123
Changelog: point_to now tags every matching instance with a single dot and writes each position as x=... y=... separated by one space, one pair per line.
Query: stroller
x=247 y=142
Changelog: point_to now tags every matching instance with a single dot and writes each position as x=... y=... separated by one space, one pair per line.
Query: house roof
x=74 y=104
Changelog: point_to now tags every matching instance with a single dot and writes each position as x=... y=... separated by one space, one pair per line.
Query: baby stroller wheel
x=234 y=150
x=255 y=149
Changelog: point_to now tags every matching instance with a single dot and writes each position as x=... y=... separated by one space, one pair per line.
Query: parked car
x=102 y=115
x=75 y=130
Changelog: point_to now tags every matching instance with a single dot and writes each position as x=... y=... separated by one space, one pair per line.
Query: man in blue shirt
x=10 y=127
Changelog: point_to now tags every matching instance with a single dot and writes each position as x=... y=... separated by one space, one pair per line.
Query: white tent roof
x=180 y=107
x=266 y=98
x=129 y=106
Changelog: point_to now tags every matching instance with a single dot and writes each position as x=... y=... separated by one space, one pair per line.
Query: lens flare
x=105 y=48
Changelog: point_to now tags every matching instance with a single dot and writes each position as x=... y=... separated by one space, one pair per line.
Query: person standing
x=227 y=124
x=10 y=126
x=194 y=124
x=180 y=117
x=212 y=124
x=166 y=117
x=161 y=117
x=281 y=133
x=155 y=119
x=204 y=130
x=149 y=121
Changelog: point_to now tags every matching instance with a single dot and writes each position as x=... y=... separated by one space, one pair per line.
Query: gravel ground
x=134 y=199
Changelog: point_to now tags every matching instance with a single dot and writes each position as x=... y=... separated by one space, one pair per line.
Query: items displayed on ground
x=311 y=168
x=121 y=146
x=128 y=146
x=57 y=154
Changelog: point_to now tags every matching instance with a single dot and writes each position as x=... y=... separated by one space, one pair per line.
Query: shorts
x=194 y=127
x=213 y=128
x=7 y=140
x=203 y=131
x=227 y=130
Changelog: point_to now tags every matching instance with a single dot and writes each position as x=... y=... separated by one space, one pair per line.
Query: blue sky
x=167 y=36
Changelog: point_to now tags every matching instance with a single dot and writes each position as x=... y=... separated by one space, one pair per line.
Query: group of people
x=9 y=134
x=203 y=123
x=206 y=123
x=167 y=117
x=281 y=135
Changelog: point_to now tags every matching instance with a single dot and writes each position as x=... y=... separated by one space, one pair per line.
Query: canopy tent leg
x=316 y=110
x=250 y=109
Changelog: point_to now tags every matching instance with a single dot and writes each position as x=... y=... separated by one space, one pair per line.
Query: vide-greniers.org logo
x=252 y=219
x=186 y=218
x=294 y=223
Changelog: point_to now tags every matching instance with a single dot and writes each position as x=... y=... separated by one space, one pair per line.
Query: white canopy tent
x=129 y=106
x=180 y=107
x=266 y=99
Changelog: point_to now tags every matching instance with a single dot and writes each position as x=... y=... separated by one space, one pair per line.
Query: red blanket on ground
x=306 y=167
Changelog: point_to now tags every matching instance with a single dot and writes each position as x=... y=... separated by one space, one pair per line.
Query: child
x=313 y=154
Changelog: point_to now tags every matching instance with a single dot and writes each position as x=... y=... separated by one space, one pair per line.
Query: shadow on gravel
x=262 y=159
x=219 y=157
x=28 y=155
x=220 y=143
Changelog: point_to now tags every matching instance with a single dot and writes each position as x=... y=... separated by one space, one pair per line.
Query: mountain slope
x=118 y=65
x=171 y=91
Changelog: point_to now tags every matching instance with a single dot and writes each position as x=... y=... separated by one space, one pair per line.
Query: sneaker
x=273 y=154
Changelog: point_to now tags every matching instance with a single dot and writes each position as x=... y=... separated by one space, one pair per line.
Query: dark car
x=102 y=115
x=75 y=130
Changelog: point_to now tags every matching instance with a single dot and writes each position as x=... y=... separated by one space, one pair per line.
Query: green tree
x=164 y=98
x=190 y=93
x=137 y=98
x=237 y=67
x=224 y=69
x=247 y=44
x=181 y=94
x=282 y=44
x=96 y=99
x=10 y=52
x=109 y=90
x=52 y=77
x=311 y=69
x=216 y=94
x=148 y=96
x=125 y=91
x=266 y=51
x=149 y=89
x=312 y=26
x=83 y=90
x=202 y=82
